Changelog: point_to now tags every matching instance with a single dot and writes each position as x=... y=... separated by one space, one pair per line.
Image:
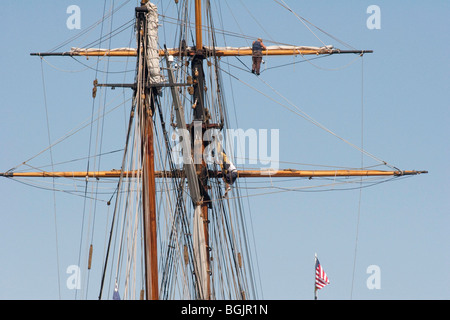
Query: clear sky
x=394 y=101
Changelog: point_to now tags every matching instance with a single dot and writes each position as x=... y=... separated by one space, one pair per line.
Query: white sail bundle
x=76 y=50
x=152 y=44
x=279 y=47
x=294 y=49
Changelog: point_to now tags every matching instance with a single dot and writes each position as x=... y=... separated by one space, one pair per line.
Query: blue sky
x=395 y=101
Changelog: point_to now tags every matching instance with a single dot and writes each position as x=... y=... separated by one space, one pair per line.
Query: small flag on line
x=321 y=277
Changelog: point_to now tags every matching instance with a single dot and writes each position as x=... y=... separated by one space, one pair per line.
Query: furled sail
x=154 y=75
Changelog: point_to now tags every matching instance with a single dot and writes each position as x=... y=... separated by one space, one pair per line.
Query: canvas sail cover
x=277 y=47
x=154 y=72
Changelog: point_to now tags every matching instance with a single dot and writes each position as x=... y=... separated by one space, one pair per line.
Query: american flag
x=321 y=276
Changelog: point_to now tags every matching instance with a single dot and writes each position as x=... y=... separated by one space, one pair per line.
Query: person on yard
x=257 y=49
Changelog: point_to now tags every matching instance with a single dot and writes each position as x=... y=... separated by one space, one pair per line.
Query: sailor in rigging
x=257 y=49
x=229 y=172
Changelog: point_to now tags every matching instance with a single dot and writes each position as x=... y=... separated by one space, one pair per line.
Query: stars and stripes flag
x=321 y=276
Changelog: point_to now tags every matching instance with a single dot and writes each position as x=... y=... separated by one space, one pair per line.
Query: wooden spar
x=145 y=107
x=323 y=173
x=200 y=239
x=198 y=25
x=201 y=235
x=286 y=173
x=245 y=51
x=149 y=205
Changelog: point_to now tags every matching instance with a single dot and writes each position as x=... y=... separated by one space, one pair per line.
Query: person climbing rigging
x=257 y=49
x=229 y=172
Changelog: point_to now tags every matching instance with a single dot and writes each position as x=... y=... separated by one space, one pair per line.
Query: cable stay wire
x=89 y=28
x=304 y=21
x=305 y=116
x=53 y=181
x=72 y=132
x=310 y=188
x=360 y=191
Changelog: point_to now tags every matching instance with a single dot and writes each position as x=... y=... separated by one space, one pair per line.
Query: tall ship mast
x=178 y=228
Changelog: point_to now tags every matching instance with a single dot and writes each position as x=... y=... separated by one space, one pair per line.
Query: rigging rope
x=53 y=180
x=362 y=165
x=90 y=28
x=245 y=182
x=284 y=5
x=88 y=161
x=303 y=20
x=306 y=116
x=331 y=69
x=99 y=141
x=72 y=132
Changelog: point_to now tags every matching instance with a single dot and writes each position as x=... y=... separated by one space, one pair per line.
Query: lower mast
x=149 y=205
x=201 y=230
x=145 y=106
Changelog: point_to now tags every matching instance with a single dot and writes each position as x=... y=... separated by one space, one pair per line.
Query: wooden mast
x=201 y=169
x=146 y=110
x=149 y=205
x=198 y=25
